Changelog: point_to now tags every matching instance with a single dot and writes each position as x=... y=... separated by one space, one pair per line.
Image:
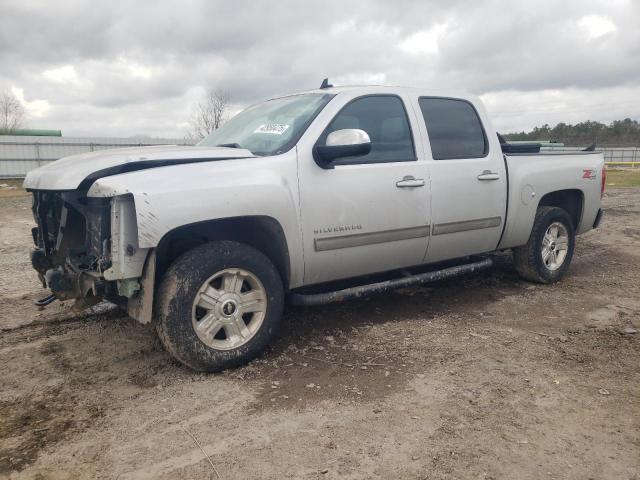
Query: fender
x=173 y=196
x=531 y=178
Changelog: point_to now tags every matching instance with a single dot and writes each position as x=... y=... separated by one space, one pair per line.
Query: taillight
x=604 y=180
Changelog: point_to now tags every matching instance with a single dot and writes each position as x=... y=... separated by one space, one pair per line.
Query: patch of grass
x=618 y=177
x=12 y=187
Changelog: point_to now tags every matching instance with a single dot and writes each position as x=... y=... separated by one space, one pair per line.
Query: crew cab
x=315 y=197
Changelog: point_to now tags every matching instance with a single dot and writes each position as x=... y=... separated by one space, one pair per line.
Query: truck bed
x=532 y=177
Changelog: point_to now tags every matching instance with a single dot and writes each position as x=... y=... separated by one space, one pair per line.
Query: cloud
x=62 y=75
x=34 y=108
x=136 y=70
x=424 y=41
x=597 y=25
x=123 y=68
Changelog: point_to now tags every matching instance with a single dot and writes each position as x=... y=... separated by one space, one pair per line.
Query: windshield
x=271 y=127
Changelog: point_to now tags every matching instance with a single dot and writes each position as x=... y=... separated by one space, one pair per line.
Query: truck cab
x=407 y=190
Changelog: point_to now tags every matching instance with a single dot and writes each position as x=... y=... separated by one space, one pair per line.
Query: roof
x=369 y=89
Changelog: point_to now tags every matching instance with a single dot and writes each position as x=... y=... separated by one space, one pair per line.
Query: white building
x=19 y=154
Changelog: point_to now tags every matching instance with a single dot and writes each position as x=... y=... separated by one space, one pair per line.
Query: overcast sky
x=125 y=68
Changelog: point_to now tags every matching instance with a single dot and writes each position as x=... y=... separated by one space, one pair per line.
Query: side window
x=455 y=131
x=384 y=118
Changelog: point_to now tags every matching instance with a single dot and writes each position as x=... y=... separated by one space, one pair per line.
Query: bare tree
x=210 y=113
x=12 y=113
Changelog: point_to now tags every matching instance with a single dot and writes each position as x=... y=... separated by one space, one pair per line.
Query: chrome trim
x=488 y=175
x=347 y=136
x=455 y=227
x=409 y=181
x=359 y=239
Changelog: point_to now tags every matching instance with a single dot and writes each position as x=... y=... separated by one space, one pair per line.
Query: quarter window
x=454 y=129
x=384 y=118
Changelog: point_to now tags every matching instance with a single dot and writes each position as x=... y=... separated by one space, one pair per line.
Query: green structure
x=24 y=132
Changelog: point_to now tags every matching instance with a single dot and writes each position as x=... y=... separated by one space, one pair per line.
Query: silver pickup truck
x=316 y=197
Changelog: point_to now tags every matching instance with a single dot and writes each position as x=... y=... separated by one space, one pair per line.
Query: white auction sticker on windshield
x=272 y=128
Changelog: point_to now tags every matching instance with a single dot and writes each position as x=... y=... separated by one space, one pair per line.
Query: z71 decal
x=589 y=173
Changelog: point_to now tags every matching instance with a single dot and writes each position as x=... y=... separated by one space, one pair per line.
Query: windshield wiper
x=230 y=145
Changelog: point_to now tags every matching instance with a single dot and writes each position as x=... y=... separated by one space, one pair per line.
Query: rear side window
x=454 y=128
x=384 y=118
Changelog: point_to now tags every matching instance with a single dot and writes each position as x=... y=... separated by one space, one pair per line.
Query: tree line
x=622 y=133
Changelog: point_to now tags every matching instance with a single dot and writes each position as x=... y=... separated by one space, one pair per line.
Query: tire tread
x=173 y=295
x=525 y=258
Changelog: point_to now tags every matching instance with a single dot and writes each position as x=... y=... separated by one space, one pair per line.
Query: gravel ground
x=481 y=377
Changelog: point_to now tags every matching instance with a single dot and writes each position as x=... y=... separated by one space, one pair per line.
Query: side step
x=364 y=290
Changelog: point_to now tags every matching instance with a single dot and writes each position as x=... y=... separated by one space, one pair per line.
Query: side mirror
x=349 y=142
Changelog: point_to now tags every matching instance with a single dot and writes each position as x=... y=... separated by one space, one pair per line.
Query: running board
x=379 y=287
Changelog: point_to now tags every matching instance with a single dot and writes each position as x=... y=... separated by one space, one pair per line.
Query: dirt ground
x=482 y=377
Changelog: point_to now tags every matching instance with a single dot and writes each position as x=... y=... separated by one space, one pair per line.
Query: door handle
x=409 y=181
x=488 y=175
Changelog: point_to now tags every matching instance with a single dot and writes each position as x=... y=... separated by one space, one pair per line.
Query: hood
x=82 y=170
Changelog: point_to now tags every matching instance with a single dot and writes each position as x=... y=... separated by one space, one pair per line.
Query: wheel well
x=569 y=200
x=263 y=233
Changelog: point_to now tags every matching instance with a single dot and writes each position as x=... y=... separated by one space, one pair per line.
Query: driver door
x=367 y=213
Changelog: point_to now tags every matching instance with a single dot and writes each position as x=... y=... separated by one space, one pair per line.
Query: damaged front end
x=86 y=248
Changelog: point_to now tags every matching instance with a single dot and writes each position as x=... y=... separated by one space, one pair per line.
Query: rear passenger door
x=468 y=179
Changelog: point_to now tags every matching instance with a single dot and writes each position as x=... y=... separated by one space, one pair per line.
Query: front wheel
x=547 y=255
x=219 y=305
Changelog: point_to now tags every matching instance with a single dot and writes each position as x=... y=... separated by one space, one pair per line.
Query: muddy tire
x=547 y=255
x=218 y=306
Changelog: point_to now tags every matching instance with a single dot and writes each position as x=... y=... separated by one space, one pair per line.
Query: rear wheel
x=219 y=305
x=547 y=255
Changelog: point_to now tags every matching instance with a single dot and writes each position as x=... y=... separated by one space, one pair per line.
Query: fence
x=19 y=154
x=613 y=156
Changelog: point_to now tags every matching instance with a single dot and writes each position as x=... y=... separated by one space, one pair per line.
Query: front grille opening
x=73 y=229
